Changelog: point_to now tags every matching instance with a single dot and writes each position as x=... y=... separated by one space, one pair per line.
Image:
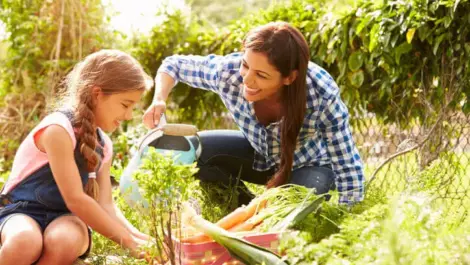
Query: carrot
x=198 y=238
x=248 y=225
x=241 y=214
x=235 y=220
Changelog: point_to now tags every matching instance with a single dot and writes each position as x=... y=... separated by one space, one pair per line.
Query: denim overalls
x=38 y=195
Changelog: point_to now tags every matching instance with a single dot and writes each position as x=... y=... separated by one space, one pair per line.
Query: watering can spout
x=180 y=141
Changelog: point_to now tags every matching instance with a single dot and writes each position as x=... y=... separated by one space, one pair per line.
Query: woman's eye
x=125 y=106
x=262 y=76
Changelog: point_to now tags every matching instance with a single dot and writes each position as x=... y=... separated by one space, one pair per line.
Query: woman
x=293 y=125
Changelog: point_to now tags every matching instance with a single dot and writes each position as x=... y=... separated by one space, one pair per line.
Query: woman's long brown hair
x=288 y=51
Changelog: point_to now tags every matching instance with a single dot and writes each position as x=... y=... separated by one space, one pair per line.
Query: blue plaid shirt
x=324 y=140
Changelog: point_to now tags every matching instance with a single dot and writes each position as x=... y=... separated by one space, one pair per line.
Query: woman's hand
x=153 y=114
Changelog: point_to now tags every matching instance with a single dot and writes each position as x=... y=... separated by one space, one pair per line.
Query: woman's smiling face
x=261 y=80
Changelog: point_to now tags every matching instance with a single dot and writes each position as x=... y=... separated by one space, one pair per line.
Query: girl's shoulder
x=55 y=118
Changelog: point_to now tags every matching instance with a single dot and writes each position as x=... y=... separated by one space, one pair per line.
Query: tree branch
x=414 y=147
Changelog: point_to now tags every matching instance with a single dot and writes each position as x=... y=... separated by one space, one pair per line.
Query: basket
x=211 y=253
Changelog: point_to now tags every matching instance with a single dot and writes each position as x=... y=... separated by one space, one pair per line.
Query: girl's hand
x=137 y=249
x=142 y=236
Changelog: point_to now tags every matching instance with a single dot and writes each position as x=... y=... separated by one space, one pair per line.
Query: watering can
x=176 y=140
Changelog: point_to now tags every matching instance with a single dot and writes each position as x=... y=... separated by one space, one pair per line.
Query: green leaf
x=355 y=61
x=438 y=42
x=410 y=34
x=343 y=67
x=447 y=21
x=364 y=22
x=423 y=32
x=386 y=39
x=467 y=48
x=394 y=40
x=403 y=48
x=303 y=24
x=374 y=36
x=356 y=78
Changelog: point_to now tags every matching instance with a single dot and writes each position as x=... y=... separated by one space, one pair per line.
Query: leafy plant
x=164 y=185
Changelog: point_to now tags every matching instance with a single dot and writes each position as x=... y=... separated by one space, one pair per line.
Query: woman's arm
x=203 y=72
x=345 y=159
x=206 y=72
x=106 y=201
x=57 y=144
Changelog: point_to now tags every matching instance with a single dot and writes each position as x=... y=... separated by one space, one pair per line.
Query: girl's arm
x=106 y=201
x=57 y=144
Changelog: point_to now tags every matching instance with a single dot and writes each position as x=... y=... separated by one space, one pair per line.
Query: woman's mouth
x=251 y=91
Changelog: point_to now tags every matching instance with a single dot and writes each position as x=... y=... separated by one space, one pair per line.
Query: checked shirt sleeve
x=345 y=159
x=197 y=71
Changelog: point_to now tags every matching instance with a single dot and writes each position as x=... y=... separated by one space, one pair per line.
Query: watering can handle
x=168 y=129
x=179 y=129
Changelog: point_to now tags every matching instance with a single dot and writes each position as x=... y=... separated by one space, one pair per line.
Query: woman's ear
x=291 y=78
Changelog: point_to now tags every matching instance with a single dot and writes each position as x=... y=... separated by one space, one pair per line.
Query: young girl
x=60 y=186
x=293 y=124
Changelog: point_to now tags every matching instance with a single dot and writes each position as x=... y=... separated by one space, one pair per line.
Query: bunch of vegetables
x=276 y=210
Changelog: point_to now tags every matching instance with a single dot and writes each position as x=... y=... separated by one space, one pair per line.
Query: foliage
x=285 y=199
x=45 y=39
x=398 y=59
x=176 y=34
x=4 y=172
x=124 y=144
x=406 y=231
x=216 y=201
x=219 y=13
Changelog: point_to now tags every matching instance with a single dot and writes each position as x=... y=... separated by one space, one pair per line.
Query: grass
x=446 y=179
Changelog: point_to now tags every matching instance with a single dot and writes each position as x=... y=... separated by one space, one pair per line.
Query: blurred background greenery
x=402 y=67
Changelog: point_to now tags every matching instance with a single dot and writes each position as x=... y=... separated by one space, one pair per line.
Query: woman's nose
x=248 y=79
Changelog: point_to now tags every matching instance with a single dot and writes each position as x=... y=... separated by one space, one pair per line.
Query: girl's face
x=112 y=109
x=261 y=80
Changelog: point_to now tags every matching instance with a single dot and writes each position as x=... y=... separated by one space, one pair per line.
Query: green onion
x=299 y=214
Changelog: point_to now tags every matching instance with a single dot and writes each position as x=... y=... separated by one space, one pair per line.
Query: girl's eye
x=245 y=65
x=262 y=76
x=125 y=106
